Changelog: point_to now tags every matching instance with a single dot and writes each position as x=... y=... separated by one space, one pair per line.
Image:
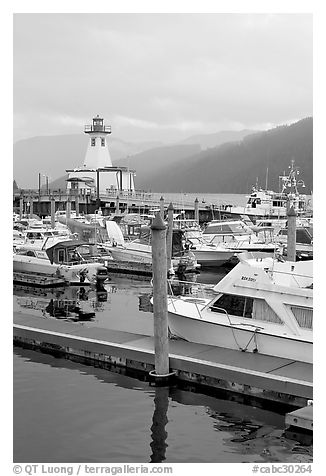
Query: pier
x=110 y=202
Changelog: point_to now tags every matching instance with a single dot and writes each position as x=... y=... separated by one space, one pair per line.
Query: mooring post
x=169 y=236
x=21 y=207
x=52 y=212
x=77 y=203
x=291 y=239
x=197 y=210
x=117 y=205
x=161 y=337
x=31 y=211
x=162 y=207
x=68 y=207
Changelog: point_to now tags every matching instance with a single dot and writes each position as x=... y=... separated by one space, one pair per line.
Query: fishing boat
x=261 y=306
x=264 y=203
x=56 y=257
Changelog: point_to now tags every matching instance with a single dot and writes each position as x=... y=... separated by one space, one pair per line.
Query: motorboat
x=207 y=254
x=238 y=236
x=263 y=305
x=140 y=249
x=56 y=257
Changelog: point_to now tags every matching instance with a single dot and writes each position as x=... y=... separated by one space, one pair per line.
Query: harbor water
x=68 y=412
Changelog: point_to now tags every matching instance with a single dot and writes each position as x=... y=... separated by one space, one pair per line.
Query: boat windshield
x=235 y=228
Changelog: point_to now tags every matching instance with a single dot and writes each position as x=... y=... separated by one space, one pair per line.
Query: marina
x=247 y=338
x=162 y=243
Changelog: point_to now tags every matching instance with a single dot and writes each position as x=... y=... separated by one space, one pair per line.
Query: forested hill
x=235 y=167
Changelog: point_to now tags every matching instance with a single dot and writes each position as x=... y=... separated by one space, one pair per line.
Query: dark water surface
x=66 y=412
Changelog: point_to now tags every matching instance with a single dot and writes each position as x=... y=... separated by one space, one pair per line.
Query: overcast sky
x=160 y=76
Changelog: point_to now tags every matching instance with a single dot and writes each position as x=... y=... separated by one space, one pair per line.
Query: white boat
x=207 y=254
x=140 y=249
x=267 y=203
x=262 y=305
x=236 y=235
x=61 y=258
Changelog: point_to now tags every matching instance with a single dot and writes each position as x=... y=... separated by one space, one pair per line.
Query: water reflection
x=180 y=430
x=77 y=303
x=160 y=419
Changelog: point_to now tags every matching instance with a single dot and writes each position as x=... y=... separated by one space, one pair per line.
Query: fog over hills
x=52 y=155
x=230 y=167
x=235 y=167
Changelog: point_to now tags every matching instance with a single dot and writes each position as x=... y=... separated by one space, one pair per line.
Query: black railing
x=97 y=128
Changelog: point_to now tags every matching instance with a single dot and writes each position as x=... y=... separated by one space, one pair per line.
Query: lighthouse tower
x=97 y=172
x=97 y=154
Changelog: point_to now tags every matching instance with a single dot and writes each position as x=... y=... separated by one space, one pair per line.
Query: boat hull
x=73 y=274
x=194 y=329
x=212 y=258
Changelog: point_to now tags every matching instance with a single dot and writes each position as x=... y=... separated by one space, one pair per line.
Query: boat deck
x=265 y=377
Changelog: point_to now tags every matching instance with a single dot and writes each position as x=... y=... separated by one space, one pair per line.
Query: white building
x=97 y=170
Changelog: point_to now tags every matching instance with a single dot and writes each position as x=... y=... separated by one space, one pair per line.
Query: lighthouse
x=97 y=154
x=97 y=172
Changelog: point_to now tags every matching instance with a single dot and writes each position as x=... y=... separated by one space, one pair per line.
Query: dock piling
x=117 y=205
x=162 y=207
x=161 y=373
x=68 y=208
x=31 y=211
x=196 y=210
x=52 y=212
x=77 y=203
x=169 y=236
x=21 y=207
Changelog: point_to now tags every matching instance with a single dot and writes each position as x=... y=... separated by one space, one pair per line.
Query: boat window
x=303 y=316
x=244 y=306
x=235 y=305
x=61 y=256
x=73 y=255
x=30 y=253
x=263 y=312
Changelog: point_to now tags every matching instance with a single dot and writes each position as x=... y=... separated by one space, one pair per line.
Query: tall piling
x=162 y=207
x=31 y=211
x=161 y=341
x=21 y=207
x=169 y=237
x=52 y=212
x=117 y=205
x=197 y=210
x=77 y=203
x=68 y=208
x=291 y=237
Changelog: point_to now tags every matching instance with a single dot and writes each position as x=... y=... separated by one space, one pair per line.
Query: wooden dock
x=39 y=280
x=271 y=379
x=301 y=418
x=130 y=268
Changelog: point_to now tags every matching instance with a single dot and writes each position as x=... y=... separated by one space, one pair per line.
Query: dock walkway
x=270 y=378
